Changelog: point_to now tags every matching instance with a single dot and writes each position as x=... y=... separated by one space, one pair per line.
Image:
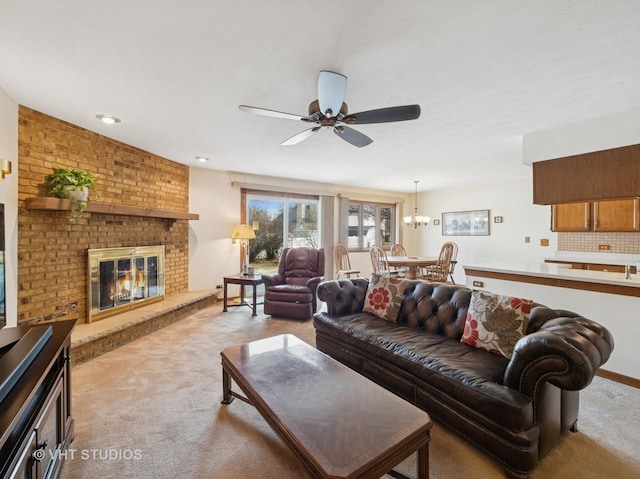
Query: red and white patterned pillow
x=384 y=296
x=495 y=322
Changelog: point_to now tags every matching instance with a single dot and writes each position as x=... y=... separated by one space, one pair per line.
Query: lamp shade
x=242 y=232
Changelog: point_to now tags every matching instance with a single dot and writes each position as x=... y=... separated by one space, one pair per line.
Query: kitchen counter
x=595 y=258
x=556 y=272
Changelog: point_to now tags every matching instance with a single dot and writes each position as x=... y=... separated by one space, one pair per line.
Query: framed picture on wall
x=466 y=223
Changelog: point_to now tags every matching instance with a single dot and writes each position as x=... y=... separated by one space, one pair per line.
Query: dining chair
x=453 y=261
x=342 y=262
x=440 y=271
x=379 y=261
x=398 y=250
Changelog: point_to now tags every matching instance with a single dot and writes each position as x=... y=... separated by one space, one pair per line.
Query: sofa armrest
x=272 y=279
x=566 y=351
x=313 y=283
x=343 y=296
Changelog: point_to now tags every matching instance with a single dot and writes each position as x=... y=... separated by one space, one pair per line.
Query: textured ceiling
x=175 y=72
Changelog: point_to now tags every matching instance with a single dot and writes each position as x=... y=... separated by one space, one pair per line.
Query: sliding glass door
x=279 y=222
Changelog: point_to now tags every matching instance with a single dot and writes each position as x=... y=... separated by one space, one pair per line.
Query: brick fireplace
x=53 y=253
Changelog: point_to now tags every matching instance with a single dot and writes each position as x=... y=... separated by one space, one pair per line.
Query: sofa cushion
x=291 y=293
x=384 y=296
x=496 y=322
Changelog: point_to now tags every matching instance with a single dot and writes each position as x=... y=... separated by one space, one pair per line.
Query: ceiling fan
x=330 y=112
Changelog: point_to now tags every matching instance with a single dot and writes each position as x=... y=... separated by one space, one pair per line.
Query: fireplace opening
x=124 y=278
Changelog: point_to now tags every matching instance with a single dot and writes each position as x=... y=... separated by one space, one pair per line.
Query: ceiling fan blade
x=331 y=90
x=352 y=136
x=277 y=114
x=384 y=115
x=303 y=135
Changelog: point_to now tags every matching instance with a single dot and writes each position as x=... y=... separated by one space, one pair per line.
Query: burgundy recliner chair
x=291 y=293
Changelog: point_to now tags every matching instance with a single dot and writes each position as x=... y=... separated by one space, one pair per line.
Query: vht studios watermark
x=107 y=454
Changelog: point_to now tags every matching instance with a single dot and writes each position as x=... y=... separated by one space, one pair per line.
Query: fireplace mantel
x=57 y=204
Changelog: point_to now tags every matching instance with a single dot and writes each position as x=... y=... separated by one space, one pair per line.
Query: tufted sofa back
x=435 y=307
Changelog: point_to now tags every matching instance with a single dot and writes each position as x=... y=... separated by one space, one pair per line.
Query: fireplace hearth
x=124 y=278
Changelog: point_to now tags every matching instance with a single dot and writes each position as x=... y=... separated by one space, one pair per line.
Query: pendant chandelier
x=416 y=220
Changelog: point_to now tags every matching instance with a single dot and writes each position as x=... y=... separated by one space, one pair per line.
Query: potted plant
x=74 y=184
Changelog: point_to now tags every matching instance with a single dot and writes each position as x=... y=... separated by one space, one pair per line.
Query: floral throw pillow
x=496 y=322
x=384 y=296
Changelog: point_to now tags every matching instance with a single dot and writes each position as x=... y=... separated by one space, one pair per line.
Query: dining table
x=412 y=263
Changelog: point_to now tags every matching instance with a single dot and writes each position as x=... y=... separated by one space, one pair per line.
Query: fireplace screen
x=124 y=278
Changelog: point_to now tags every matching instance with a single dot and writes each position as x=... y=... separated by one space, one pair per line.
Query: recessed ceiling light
x=108 y=119
x=202 y=159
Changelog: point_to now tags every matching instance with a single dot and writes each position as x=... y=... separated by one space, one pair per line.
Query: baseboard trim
x=619 y=378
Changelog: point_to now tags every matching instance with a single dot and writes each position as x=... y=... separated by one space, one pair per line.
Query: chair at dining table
x=440 y=270
x=453 y=261
x=398 y=250
x=342 y=262
x=379 y=261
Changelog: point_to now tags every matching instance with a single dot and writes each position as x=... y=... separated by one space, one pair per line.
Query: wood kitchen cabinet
x=606 y=215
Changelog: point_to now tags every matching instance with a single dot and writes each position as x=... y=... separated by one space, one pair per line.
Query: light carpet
x=151 y=409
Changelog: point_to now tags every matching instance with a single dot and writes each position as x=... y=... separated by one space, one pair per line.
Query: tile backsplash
x=628 y=243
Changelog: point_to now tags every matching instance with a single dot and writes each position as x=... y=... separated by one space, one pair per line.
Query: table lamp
x=244 y=233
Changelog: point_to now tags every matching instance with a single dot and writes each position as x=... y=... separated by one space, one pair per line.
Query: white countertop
x=550 y=270
x=595 y=258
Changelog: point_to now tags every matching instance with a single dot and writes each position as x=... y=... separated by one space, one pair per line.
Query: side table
x=243 y=280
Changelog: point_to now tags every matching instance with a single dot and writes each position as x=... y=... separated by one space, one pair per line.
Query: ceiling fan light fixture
x=329 y=111
x=108 y=119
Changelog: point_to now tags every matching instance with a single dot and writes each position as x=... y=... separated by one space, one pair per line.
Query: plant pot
x=78 y=194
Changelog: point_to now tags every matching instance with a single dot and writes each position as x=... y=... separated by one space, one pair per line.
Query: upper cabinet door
x=571 y=217
x=616 y=215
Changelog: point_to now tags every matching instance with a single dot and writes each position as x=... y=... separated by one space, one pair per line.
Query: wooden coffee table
x=337 y=423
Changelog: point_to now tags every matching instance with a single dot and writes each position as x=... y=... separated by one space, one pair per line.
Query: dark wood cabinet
x=36 y=426
x=598 y=175
x=606 y=215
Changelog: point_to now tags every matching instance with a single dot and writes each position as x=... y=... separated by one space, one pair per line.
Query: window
x=370 y=224
x=280 y=221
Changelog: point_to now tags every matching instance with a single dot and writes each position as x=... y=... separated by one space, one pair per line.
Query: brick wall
x=52 y=253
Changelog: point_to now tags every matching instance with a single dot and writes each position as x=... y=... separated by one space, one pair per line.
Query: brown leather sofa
x=514 y=410
x=291 y=292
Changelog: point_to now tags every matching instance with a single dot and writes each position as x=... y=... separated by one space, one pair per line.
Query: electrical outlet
x=478 y=284
x=604 y=247
x=544 y=242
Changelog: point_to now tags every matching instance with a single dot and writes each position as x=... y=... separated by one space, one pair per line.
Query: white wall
x=511 y=200
x=213 y=196
x=596 y=134
x=211 y=253
x=9 y=196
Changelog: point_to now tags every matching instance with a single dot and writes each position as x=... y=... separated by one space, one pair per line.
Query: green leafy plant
x=72 y=183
